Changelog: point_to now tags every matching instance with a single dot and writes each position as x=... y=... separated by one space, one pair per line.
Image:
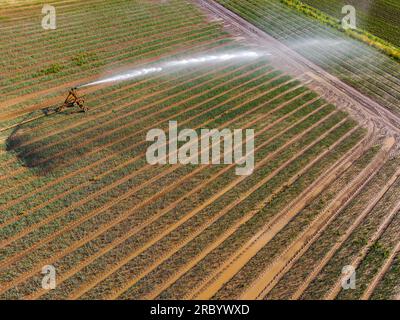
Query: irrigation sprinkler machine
x=72 y=100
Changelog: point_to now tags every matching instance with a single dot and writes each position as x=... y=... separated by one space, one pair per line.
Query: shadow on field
x=38 y=153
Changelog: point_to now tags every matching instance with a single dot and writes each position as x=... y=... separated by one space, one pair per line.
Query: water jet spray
x=166 y=66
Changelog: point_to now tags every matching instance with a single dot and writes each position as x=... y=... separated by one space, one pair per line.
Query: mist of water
x=171 y=65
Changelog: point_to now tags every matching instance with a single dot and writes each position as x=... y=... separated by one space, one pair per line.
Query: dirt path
x=372 y=286
x=317 y=269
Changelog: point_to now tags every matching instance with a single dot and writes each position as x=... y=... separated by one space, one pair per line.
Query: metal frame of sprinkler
x=73 y=100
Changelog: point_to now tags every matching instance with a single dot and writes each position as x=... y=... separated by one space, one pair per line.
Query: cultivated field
x=354 y=62
x=77 y=193
x=377 y=17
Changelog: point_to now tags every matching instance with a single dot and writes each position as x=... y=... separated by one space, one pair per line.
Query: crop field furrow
x=215 y=281
x=297 y=226
x=354 y=258
x=297 y=279
x=379 y=276
x=224 y=236
x=332 y=294
x=333 y=174
x=223 y=251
